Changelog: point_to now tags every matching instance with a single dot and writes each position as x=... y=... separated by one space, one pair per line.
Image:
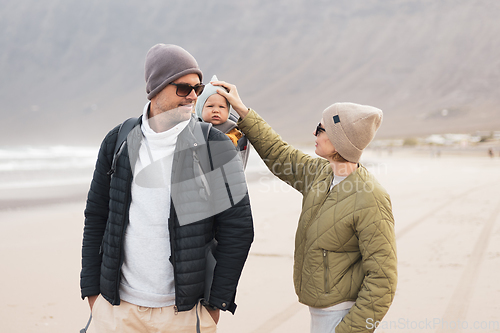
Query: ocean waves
x=45 y=166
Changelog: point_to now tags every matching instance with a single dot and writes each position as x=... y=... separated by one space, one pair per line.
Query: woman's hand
x=232 y=97
x=92 y=300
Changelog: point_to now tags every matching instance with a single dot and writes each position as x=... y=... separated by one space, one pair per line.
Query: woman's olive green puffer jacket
x=345 y=247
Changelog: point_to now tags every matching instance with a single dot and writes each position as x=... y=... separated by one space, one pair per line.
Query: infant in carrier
x=213 y=108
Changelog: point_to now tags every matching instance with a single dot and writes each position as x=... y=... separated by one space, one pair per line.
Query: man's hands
x=232 y=97
x=91 y=300
x=215 y=315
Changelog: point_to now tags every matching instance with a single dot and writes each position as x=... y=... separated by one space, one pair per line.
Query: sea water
x=43 y=166
x=23 y=167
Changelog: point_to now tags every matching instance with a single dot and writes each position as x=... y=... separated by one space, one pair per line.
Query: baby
x=213 y=108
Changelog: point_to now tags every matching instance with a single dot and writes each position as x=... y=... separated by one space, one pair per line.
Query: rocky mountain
x=71 y=70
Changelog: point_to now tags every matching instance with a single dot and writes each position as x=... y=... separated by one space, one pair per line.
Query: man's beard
x=168 y=119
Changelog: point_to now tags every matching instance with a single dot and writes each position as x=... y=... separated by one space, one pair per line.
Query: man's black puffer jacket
x=106 y=218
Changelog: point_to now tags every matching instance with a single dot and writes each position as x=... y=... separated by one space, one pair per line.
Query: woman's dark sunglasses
x=319 y=129
x=184 y=89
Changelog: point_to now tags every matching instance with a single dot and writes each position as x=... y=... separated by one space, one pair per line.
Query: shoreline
x=13 y=196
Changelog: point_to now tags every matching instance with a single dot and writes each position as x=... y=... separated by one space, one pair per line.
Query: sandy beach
x=447 y=212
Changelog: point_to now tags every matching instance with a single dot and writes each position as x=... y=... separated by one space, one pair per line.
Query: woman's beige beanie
x=351 y=127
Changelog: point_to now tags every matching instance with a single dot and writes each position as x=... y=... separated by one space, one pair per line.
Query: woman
x=345 y=266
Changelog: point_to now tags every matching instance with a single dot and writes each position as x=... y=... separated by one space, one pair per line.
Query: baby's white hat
x=207 y=92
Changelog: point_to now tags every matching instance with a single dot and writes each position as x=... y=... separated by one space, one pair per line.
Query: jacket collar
x=227 y=126
x=191 y=136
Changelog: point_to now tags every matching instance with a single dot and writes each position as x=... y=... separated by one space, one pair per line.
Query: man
x=161 y=209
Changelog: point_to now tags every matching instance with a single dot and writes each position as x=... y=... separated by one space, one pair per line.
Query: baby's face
x=215 y=110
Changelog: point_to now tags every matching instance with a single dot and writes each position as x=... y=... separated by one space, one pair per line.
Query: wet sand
x=447 y=213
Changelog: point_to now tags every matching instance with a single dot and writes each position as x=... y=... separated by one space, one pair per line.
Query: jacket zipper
x=120 y=245
x=171 y=222
x=313 y=217
x=316 y=212
x=325 y=262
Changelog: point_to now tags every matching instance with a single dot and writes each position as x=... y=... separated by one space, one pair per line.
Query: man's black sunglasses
x=184 y=89
x=319 y=129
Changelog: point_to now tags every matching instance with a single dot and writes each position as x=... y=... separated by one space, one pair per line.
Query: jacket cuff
x=223 y=305
x=247 y=120
x=90 y=291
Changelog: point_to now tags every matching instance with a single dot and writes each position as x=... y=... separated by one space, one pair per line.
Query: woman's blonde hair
x=338 y=158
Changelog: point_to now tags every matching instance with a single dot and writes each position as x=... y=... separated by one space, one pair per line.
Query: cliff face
x=71 y=70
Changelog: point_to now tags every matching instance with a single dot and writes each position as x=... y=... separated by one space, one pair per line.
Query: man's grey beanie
x=166 y=63
x=351 y=127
